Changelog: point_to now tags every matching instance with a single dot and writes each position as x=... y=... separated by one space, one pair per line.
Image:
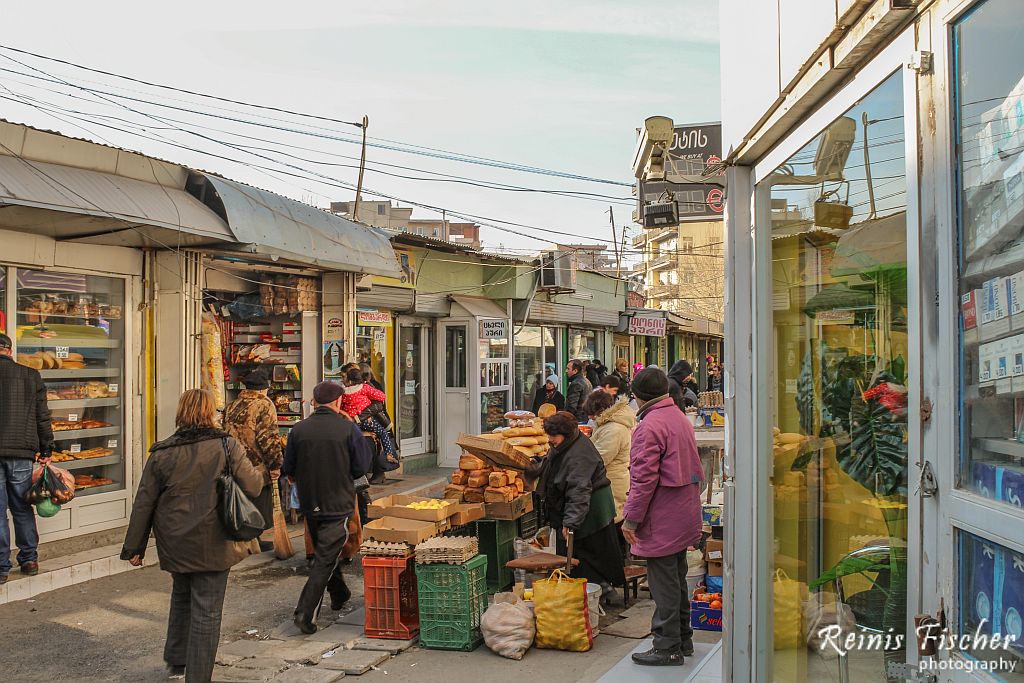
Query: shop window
x=535 y=359
x=456 y=357
x=686 y=244
x=992 y=605
x=582 y=344
x=990 y=124
x=71 y=328
x=3 y=300
x=838 y=274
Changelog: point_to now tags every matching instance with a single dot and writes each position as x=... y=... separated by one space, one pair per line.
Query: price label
x=75 y=448
x=73 y=417
x=62 y=351
x=112 y=443
x=112 y=388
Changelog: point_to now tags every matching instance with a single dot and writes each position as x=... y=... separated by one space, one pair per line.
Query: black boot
x=340 y=597
x=304 y=624
x=656 y=657
x=175 y=671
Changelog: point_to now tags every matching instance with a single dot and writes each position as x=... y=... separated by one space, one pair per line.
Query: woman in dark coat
x=680 y=383
x=548 y=393
x=576 y=496
x=178 y=500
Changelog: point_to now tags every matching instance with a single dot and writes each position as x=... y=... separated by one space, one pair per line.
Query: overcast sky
x=560 y=85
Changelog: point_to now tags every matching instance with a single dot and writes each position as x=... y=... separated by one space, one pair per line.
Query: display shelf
x=76 y=342
x=1000 y=264
x=83 y=403
x=70 y=315
x=90 y=462
x=93 y=490
x=71 y=434
x=1010 y=447
x=83 y=372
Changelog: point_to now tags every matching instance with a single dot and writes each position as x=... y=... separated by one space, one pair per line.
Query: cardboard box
x=394 y=506
x=466 y=513
x=714 y=568
x=514 y=510
x=399 y=530
x=969 y=308
x=703 y=618
x=495 y=451
x=714 y=550
x=712 y=514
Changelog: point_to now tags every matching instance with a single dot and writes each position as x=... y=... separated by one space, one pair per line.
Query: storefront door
x=837 y=313
x=413 y=388
x=454 y=394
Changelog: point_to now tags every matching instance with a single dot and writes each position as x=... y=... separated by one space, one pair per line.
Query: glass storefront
x=71 y=328
x=536 y=357
x=838 y=390
x=410 y=383
x=495 y=374
x=582 y=344
x=374 y=330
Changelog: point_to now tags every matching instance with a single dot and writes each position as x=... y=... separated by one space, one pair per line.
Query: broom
x=282 y=543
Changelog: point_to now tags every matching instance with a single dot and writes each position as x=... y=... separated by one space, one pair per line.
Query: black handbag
x=241 y=518
x=377 y=411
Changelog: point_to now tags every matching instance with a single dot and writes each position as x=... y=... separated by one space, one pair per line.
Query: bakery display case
x=71 y=328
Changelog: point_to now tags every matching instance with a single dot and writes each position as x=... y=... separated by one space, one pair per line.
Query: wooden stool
x=634 y=572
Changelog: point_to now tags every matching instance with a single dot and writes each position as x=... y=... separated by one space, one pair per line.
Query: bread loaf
x=454 y=492
x=474 y=495
x=502 y=494
x=459 y=477
x=539 y=449
x=497 y=479
x=478 y=478
x=469 y=461
x=542 y=438
x=523 y=441
x=520 y=485
x=524 y=450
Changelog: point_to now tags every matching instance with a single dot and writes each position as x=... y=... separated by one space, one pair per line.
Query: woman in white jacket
x=612 y=436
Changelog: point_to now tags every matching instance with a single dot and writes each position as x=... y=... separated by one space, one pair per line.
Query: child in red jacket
x=357 y=398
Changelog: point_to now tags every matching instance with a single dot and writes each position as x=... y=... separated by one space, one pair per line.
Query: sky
x=559 y=85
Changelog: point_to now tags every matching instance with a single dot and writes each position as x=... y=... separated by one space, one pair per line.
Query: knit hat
x=5 y=341
x=327 y=392
x=649 y=383
x=257 y=379
x=553 y=378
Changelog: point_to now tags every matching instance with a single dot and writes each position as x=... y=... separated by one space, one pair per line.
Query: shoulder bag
x=241 y=518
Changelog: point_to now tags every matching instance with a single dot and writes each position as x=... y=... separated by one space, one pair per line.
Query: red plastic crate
x=392 y=605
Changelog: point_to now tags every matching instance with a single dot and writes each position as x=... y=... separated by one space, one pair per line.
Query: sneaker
x=175 y=671
x=304 y=624
x=687 y=648
x=30 y=568
x=656 y=657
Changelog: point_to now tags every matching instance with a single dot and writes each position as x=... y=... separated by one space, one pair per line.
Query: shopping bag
x=40 y=489
x=563 y=620
x=788 y=597
x=62 y=484
x=241 y=518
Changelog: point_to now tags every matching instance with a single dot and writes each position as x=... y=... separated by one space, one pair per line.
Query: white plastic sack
x=508 y=627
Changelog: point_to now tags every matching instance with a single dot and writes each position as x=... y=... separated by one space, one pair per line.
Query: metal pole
x=362 y=168
x=867 y=166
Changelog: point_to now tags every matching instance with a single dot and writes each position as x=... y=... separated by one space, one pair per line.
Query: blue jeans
x=15 y=481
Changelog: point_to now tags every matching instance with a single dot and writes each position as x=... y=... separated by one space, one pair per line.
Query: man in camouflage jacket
x=252 y=419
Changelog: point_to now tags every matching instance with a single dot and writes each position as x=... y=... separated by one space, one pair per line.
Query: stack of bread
x=477 y=482
x=526 y=433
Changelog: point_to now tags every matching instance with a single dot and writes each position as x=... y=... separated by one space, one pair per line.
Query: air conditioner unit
x=558 y=271
x=661 y=215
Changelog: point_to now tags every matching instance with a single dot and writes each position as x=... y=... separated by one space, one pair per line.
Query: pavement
x=113 y=629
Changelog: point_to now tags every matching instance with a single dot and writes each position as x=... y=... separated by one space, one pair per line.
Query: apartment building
x=683 y=268
x=384 y=214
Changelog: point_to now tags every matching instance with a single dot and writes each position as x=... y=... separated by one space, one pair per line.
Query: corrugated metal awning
x=273 y=225
x=477 y=307
x=398 y=299
x=601 y=317
x=69 y=203
x=437 y=305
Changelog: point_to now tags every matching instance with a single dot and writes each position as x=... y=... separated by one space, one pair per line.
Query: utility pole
x=362 y=167
x=615 y=243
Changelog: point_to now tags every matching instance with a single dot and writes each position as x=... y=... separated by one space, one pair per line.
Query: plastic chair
x=881 y=549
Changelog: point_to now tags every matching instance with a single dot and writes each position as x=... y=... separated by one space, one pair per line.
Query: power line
x=393 y=145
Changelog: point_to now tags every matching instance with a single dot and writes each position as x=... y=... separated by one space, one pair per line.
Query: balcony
x=663 y=261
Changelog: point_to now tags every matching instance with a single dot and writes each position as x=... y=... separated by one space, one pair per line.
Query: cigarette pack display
x=981 y=585
x=969 y=308
x=1010 y=599
x=1017 y=355
x=983 y=476
x=1010 y=480
x=986 y=361
x=1002 y=359
x=995 y=302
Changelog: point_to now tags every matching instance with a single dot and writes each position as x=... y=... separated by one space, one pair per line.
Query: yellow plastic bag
x=563 y=621
x=788 y=596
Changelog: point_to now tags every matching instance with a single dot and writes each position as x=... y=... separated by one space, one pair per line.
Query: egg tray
x=447 y=550
x=381 y=549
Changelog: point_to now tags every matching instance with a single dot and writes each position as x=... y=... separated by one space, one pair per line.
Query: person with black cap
x=24 y=432
x=324 y=455
x=680 y=377
x=252 y=420
x=663 y=513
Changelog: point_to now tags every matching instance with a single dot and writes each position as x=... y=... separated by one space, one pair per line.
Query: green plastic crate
x=497 y=541
x=495 y=531
x=452 y=600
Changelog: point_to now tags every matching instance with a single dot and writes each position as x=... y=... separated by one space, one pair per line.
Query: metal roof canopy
x=276 y=226
x=477 y=307
x=68 y=203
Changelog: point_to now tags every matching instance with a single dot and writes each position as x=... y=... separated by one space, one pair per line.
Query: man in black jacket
x=325 y=454
x=579 y=388
x=24 y=431
x=680 y=379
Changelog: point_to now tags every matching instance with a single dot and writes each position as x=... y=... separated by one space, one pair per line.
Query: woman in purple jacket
x=663 y=513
